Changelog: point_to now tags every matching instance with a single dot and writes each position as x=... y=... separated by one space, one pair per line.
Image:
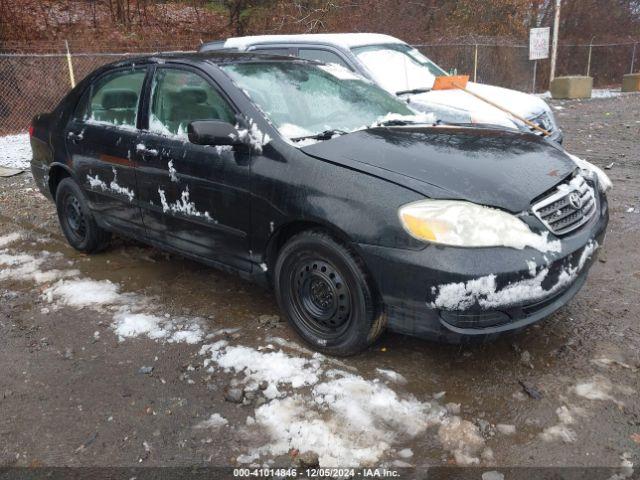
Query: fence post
x=589 y=58
x=475 y=65
x=72 y=77
x=633 y=57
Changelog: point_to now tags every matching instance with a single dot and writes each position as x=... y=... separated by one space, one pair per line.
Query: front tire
x=326 y=294
x=76 y=220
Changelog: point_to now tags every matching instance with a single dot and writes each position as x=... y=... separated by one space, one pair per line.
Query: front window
x=302 y=99
x=180 y=97
x=398 y=67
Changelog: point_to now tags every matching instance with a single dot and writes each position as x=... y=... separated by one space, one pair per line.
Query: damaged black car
x=360 y=213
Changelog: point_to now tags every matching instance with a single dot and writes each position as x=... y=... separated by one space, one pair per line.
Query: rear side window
x=324 y=56
x=179 y=97
x=113 y=99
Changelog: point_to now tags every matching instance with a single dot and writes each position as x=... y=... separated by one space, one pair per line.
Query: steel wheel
x=321 y=297
x=74 y=217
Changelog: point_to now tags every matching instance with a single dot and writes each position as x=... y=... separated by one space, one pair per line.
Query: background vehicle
x=401 y=69
x=358 y=212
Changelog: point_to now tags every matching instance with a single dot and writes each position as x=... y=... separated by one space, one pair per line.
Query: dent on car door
x=100 y=138
x=195 y=198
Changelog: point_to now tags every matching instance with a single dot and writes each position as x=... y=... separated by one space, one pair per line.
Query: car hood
x=525 y=105
x=503 y=169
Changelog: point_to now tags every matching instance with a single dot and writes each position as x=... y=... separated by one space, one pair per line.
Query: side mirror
x=212 y=132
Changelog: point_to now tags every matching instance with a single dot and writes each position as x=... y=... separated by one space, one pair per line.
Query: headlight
x=465 y=224
x=604 y=182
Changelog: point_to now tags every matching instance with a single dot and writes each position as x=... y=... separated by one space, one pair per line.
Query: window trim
x=146 y=105
x=143 y=67
x=324 y=49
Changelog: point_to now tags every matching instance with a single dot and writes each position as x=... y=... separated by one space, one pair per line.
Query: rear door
x=195 y=198
x=101 y=137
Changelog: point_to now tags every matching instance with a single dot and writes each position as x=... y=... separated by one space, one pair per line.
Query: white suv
x=403 y=71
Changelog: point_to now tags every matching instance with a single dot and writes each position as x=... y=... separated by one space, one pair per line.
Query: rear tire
x=77 y=221
x=325 y=292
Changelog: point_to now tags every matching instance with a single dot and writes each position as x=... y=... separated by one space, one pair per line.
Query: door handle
x=146 y=152
x=75 y=137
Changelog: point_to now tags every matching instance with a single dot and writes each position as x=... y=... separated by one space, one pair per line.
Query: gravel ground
x=80 y=389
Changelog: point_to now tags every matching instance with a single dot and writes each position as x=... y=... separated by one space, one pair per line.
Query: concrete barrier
x=631 y=82
x=571 y=87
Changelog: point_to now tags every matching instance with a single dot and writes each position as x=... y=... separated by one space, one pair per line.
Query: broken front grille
x=568 y=207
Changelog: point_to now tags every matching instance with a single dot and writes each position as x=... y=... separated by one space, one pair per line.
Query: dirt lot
x=135 y=357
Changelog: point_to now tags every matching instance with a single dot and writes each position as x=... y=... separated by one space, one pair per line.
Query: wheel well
x=56 y=175
x=284 y=233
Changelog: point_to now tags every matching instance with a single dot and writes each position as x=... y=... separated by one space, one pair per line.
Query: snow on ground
x=346 y=419
x=215 y=421
x=24 y=267
x=561 y=431
x=15 y=151
x=314 y=403
x=10 y=238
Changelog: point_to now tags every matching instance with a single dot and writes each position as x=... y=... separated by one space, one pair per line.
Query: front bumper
x=448 y=293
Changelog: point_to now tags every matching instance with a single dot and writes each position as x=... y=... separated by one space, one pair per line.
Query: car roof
x=215 y=57
x=344 y=40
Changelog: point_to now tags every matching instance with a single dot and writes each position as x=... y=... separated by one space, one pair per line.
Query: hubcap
x=321 y=297
x=75 y=218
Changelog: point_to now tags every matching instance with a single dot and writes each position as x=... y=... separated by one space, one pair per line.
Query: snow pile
x=131 y=325
x=601 y=388
x=605 y=93
x=392 y=376
x=183 y=205
x=275 y=368
x=484 y=291
x=463 y=439
x=130 y=312
x=346 y=420
x=561 y=431
x=95 y=182
x=215 y=421
x=15 y=151
x=9 y=238
x=84 y=293
x=24 y=267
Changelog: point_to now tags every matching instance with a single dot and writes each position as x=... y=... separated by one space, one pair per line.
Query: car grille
x=567 y=207
x=543 y=121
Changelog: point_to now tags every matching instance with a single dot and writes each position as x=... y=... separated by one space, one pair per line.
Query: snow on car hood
x=498 y=168
x=521 y=103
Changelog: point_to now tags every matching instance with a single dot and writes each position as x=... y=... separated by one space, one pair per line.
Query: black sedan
x=360 y=213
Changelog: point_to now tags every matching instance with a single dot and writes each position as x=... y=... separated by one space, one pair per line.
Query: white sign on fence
x=539 y=43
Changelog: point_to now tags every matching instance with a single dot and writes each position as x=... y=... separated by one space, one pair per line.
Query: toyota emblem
x=575 y=200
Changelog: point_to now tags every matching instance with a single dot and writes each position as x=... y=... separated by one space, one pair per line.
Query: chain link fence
x=35 y=83
x=509 y=65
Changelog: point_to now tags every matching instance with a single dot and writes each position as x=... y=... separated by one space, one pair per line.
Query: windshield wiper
x=326 y=135
x=413 y=91
x=398 y=123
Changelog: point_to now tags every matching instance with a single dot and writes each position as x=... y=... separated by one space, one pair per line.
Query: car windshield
x=398 y=67
x=303 y=99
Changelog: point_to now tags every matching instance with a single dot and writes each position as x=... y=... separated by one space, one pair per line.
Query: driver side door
x=196 y=199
